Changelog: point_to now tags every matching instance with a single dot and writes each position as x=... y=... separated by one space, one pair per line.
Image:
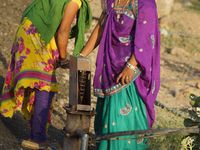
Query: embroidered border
x=136 y=7
x=126 y=12
x=114 y=89
x=125 y=40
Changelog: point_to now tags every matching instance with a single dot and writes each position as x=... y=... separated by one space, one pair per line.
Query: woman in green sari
x=127 y=76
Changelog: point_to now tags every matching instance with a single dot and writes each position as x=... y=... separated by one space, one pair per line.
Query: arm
x=94 y=39
x=65 y=27
x=132 y=60
x=127 y=74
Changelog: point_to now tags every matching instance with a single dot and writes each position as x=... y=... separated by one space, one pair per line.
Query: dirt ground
x=180 y=70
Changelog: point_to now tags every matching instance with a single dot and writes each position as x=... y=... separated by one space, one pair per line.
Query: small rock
x=162 y=62
x=174 y=92
x=178 y=51
x=164 y=32
x=197 y=85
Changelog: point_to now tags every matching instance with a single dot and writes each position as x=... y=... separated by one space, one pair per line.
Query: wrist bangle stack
x=131 y=66
x=63 y=63
x=62 y=60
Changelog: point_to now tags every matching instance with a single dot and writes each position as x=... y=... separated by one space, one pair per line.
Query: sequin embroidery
x=126 y=110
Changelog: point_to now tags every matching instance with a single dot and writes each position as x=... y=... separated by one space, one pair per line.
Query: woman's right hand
x=125 y=76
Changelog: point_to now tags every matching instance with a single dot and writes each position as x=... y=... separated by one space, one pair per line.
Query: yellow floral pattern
x=32 y=66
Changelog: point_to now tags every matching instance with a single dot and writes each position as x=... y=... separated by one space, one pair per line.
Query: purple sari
x=130 y=34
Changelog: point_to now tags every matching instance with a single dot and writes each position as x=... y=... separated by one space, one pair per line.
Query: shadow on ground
x=16 y=129
x=3 y=60
x=1 y=83
x=182 y=67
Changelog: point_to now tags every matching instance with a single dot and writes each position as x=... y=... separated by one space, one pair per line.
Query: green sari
x=46 y=15
x=123 y=111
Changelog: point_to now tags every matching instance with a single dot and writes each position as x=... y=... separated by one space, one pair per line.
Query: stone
x=174 y=92
x=164 y=32
x=164 y=7
x=178 y=51
x=197 y=85
x=162 y=62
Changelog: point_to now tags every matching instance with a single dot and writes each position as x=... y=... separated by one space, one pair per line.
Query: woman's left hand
x=125 y=76
x=63 y=63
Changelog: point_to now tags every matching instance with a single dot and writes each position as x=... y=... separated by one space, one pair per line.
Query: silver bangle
x=80 y=54
x=131 y=66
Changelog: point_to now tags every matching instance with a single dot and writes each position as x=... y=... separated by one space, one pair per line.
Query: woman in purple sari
x=127 y=76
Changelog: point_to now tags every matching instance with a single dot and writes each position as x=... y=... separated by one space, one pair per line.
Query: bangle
x=80 y=54
x=129 y=65
x=62 y=59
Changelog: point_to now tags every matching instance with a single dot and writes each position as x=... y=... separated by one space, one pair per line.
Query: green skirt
x=122 y=111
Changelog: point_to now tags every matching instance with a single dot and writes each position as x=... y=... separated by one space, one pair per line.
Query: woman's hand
x=62 y=63
x=125 y=76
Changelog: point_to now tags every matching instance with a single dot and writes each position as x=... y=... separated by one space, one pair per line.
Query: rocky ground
x=180 y=72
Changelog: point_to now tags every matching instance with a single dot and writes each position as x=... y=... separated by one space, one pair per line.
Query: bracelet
x=131 y=66
x=62 y=60
x=80 y=54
